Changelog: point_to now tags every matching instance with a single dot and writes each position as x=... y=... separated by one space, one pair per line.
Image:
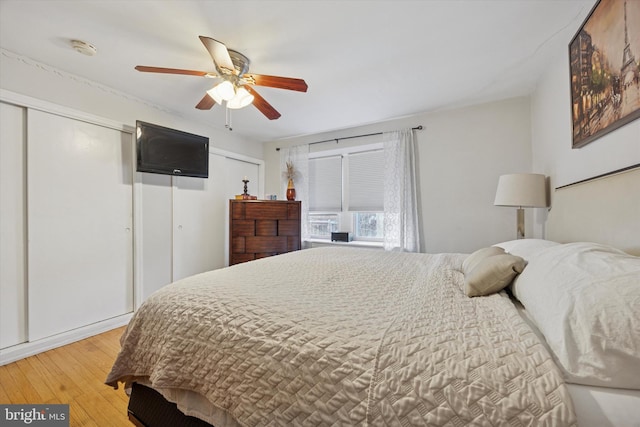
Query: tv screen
x=170 y=151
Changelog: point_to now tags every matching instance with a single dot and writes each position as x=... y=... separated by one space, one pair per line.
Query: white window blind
x=325 y=184
x=366 y=181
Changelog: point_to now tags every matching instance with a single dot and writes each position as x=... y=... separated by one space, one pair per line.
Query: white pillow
x=526 y=248
x=585 y=299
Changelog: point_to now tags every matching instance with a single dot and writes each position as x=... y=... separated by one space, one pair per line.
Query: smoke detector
x=84 y=47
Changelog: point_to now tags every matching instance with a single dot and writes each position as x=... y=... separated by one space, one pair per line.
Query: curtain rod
x=354 y=136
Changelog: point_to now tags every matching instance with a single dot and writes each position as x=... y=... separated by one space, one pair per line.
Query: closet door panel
x=200 y=212
x=234 y=171
x=80 y=222
x=155 y=225
x=13 y=294
x=196 y=222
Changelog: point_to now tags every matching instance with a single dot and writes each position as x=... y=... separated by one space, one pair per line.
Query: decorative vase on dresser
x=291 y=190
x=261 y=228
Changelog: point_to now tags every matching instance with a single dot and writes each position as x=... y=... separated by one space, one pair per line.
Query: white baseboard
x=20 y=351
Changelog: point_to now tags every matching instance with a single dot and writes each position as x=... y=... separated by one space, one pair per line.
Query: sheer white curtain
x=400 y=194
x=299 y=156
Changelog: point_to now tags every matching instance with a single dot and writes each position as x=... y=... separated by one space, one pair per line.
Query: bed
x=528 y=332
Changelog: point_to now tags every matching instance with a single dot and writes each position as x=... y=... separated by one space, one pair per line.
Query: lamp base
x=520 y=223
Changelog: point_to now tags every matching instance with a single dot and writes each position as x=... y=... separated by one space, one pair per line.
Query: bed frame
x=603 y=209
x=148 y=408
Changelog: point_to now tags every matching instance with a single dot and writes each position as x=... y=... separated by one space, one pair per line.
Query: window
x=325 y=184
x=346 y=188
x=366 y=181
x=322 y=225
x=368 y=225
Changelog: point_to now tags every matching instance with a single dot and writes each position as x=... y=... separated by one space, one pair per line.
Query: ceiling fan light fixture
x=232 y=71
x=241 y=100
x=223 y=91
x=213 y=93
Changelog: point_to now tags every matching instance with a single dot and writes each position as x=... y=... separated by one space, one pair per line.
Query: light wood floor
x=72 y=374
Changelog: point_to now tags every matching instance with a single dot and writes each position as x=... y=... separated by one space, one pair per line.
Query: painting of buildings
x=605 y=70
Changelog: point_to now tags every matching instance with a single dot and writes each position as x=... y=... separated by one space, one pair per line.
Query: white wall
x=551 y=138
x=461 y=154
x=551 y=134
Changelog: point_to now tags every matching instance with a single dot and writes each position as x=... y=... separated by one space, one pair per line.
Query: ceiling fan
x=236 y=87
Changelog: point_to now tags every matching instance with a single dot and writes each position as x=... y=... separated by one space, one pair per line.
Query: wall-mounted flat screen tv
x=171 y=152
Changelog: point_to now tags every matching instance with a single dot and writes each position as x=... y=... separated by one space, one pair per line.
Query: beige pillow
x=475 y=258
x=492 y=274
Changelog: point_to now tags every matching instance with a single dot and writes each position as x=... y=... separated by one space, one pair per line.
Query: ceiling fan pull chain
x=228 y=118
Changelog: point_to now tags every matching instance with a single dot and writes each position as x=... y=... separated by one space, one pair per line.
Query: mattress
x=335 y=335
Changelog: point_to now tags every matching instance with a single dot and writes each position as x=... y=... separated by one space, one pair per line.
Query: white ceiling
x=364 y=61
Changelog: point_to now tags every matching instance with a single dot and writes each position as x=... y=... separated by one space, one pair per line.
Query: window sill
x=358 y=243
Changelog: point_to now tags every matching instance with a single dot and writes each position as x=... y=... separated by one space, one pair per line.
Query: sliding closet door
x=13 y=294
x=235 y=171
x=195 y=224
x=80 y=223
x=200 y=214
x=156 y=259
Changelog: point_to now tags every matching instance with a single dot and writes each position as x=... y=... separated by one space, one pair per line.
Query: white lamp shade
x=223 y=91
x=242 y=99
x=215 y=95
x=527 y=190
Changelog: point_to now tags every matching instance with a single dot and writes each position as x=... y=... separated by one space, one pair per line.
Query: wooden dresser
x=261 y=228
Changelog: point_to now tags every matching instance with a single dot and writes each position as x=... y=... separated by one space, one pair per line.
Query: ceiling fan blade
x=219 y=54
x=261 y=104
x=206 y=103
x=278 y=82
x=146 y=69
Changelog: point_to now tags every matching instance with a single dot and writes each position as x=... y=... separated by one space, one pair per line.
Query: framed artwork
x=604 y=60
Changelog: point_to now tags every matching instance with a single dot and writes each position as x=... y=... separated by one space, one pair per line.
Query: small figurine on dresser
x=245 y=195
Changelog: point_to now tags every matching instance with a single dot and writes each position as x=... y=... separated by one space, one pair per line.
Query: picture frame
x=604 y=61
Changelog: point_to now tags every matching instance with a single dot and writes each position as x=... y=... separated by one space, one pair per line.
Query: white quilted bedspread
x=341 y=337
